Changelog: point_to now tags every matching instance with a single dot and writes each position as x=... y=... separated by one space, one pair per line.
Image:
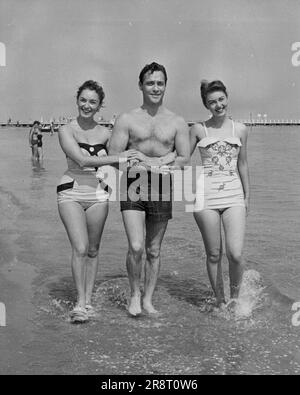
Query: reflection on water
x=37 y=166
x=38 y=180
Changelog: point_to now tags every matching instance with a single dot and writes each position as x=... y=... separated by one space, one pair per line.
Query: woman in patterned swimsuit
x=82 y=197
x=222 y=189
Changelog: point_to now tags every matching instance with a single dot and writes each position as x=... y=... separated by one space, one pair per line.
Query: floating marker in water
x=2 y=314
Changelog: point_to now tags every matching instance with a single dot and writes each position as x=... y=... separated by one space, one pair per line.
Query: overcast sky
x=52 y=46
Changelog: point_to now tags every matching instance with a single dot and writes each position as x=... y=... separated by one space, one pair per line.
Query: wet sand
x=188 y=338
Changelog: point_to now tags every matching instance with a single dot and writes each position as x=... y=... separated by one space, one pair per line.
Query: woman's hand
x=128 y=155
x=139 y=156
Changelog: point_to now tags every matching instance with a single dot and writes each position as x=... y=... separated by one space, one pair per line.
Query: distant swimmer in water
x=83 y=198
x=146 y=202
x=222 y=194
x=35 y=141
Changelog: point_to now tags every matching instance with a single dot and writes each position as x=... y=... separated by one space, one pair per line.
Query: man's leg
x=154 y=235
x=134 y=222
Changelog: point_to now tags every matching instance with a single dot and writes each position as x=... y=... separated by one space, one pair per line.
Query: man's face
x=153 y=87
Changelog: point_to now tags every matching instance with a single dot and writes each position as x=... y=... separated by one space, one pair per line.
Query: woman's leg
x=234 y=221
x=209 y=223
x=74 y=220
x=95 y=216
x=34 y=152
x=40 y=153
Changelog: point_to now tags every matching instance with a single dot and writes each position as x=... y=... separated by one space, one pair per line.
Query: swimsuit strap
x=233 y=130
x=205 y=130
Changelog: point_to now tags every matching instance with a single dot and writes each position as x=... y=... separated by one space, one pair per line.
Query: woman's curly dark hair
x=93 y=86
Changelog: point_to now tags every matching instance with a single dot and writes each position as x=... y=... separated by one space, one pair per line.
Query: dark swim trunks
x=148 y=192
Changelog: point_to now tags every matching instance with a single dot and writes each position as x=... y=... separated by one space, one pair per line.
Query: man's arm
x=182 y=144
x=179 y=157
x=194 y=133
x=120 y=135
x=167 y=159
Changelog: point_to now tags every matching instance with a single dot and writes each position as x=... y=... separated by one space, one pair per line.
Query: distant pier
x=46 y=126
x=260 y=123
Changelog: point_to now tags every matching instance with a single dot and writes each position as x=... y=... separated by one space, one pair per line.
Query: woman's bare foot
x=231 y=304
x=134 y=307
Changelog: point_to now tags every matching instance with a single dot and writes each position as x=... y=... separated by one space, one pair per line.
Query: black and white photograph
x=149 y=190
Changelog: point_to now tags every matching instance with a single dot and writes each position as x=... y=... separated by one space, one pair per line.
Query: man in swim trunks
x=156 y=133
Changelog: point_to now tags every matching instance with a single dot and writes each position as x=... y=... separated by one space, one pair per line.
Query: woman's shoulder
x=197 y=129
x=103 y=131
x=66 y=128
x=240 y=129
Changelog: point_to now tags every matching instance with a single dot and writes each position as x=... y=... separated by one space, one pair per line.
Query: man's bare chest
x=159 y=131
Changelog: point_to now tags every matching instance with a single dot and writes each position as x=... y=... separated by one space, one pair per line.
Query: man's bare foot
x=220 y=302
x=148 y=307
x=219 y=307
x=134 y=307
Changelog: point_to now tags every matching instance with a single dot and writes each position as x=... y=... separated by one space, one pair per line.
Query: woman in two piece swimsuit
x=35 y=141
x=222 y=189
x=82 y=197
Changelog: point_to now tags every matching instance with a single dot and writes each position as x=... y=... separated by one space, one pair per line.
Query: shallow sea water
x=189 y=337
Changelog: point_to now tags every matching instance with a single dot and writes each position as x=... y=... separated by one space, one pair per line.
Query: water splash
x=250 y=296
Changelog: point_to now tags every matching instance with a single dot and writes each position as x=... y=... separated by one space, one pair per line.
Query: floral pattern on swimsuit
x=222 y=154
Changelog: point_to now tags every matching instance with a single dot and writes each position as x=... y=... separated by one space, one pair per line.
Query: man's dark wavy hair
x=152 y=67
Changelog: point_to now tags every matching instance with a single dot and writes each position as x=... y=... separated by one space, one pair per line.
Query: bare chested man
x=156 y=133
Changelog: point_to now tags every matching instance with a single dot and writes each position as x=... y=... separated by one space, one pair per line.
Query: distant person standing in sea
x=51 y=128
x=35 y=141
x=82 y=198
x=146 y=206
x=223 y=189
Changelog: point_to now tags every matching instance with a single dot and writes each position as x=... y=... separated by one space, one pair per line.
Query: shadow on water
x=189 y=290
x=57 y=295
x=113 y=292
x=187 y=337
x=116 y=290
